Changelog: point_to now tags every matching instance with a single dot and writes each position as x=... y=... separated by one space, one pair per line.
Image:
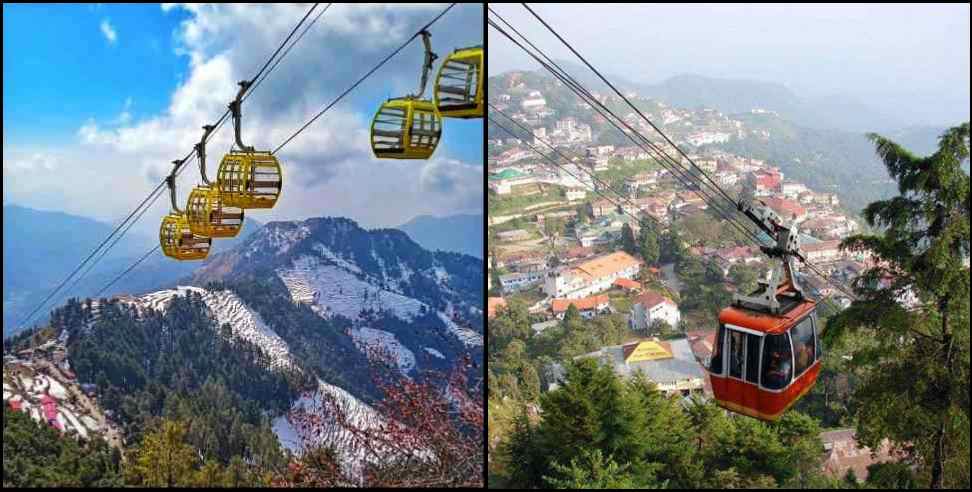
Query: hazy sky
x=911 y=61
x=98 y=99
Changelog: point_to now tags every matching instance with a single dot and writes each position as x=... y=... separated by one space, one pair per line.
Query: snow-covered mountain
x=309 y=422
x=319 y=299
x=411 y=303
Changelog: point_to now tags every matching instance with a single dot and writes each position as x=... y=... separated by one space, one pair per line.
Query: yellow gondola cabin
x=248 y=178
x=175 y=236
x=406 y=128
x=459 y=85
x=205 y=210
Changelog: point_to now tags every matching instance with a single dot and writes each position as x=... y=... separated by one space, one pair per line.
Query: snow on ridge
x=159 y=300
x=248 y=325
x=293 y=430
x=466 y=336
x=434 y=352
x=339 y=261
x=226 y=307
x=275 y=237
x=338 y=291
x=387 y=342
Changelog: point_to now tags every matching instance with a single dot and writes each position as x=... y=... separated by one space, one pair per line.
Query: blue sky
x=123 y=89
x=59 y=68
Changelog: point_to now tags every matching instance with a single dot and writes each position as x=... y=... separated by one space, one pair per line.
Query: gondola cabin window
x=736 y=357
x=777 y=362
x=715 y=365
x=803 y=345
x=752 y=358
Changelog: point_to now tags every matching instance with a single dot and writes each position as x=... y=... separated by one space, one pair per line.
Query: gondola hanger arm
x=170 y=181
x=430 y=58
x=201 y=153
x=237 y=114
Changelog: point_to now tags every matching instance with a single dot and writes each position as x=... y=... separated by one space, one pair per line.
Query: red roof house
x=50 y=411
x=593 y=303
x=627 y=284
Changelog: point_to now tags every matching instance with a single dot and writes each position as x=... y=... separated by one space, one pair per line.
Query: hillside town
x=40 y=383
x=557 y=235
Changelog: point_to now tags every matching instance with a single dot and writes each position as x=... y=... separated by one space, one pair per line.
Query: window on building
x=803 y=345
x=777 y=361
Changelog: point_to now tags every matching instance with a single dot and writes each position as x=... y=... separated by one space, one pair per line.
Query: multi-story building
x=513 y=282
x=534 y=102
x=766 y=182
x=591 y=276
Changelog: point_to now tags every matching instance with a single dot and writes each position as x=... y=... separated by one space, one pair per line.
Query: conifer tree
x=915 y=303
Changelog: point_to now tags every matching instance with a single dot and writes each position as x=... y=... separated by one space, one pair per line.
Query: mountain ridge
x=461 y=233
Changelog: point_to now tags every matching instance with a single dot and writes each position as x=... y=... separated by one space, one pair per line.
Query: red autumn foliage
x=432 y=435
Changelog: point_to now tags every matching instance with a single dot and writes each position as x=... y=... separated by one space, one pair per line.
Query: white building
x=650 y=307
x=703 y=138
x=792 y=189
x=534 y=102
x=576 y=194
x=513 y=282
x=592 y=276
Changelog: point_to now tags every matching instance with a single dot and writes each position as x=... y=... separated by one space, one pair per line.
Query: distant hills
x=40 y=248
x=456 y=233
x=820 y=143
x=839 y=112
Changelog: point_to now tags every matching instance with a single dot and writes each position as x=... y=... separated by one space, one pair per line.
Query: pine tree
x=164 y=459
x=628 y=240
x=648 y=242
x=915 y=302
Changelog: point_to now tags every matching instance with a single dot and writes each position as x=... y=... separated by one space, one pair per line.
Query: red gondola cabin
x=763 y=363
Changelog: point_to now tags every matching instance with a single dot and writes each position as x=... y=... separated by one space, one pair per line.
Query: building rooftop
x=583 y=304
x=842 y=453
x=680 y=366
x=650 y=299
x=506 y=174
x=821 y=246
x=610 y=264
x=627 y=284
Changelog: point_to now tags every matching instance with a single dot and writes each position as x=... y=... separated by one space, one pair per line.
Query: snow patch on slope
x=339 y=261
x=434 y=353
x=339 y=292
x=386 y=343
x=468 y=337
x=248 y=325
x=225 y=307
x=278 y=238
x=311 y=423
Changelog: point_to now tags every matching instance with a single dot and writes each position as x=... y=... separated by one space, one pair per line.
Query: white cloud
x=329 y=169
x=108 y=31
